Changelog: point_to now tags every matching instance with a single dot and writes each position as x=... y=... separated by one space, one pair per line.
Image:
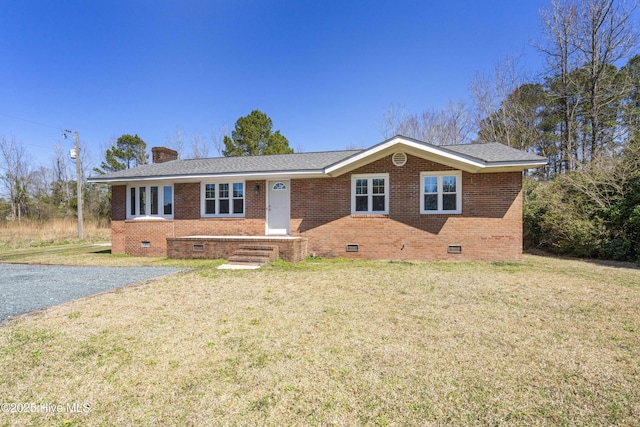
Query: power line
x=31 y=121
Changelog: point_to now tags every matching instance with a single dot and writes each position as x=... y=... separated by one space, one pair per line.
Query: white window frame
x=203 y=199
x=147 y=214
x=458 y=193
x=370 y=177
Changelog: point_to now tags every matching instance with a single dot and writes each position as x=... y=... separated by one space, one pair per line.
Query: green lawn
x=337 y=342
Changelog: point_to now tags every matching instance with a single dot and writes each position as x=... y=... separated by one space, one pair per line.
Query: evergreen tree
x=129 y=151
x=253 y=136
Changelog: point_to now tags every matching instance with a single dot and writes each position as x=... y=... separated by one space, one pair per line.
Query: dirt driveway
x=25 y=288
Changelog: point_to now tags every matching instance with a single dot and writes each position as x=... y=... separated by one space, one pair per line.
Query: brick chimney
x=163 y=154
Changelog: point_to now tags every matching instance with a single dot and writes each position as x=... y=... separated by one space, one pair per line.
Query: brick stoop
x=254 y=255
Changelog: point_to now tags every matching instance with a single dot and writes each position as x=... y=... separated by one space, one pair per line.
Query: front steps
x=252 y=256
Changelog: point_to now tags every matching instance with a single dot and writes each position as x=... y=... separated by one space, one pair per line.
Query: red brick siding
x=292 y=250
x=186 y=200
x=118 y=202
x=118 y=215
x=489 y=228
x=127 y=235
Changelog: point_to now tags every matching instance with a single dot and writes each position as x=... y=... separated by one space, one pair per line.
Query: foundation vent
x=399 y=159
x=353 y=247
x=198 y=248
x=146 y=244
x=454 y=249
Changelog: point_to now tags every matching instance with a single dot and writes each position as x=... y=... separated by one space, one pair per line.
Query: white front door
x=278 y=207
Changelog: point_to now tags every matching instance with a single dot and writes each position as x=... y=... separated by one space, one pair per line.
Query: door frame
x=270 y=184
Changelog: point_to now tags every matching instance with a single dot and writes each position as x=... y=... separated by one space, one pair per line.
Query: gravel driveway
x=25 y=288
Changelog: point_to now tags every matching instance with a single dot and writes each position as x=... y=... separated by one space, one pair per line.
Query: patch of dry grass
x=29 y=233
x=545 y=342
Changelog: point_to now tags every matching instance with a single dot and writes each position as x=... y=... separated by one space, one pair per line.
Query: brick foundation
x=289 y=249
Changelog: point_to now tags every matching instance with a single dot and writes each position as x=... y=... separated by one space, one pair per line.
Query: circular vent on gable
x=399 y=159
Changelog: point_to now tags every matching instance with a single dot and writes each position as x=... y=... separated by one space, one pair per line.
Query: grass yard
x=335 y=342
x=28 y=233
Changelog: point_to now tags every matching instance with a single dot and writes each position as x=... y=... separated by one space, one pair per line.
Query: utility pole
x=75 y=154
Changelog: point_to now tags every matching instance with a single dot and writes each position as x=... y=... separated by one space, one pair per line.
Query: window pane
x=143 y=200
x=430 y=184
x=378 y=203
x=238 y=190
x=449 y=202
x=362 y=204
x=238 y=207
x=448 y=184
x=132 y=201
x=210 y=191
x=168 y=200
x=378 y=186
x=224 y=206
x=210 y=207
x=361 y=186
x=430 y=202
x=154 y=200
x=224 y=191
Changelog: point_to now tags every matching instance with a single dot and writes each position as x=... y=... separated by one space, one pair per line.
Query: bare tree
x=16 y=172
x=176 y=141
x=559 y=23
x=491 y=100
x=217 y=137
x=605 y=34
x=583 y=41
x=392 y=121
x=447 y=126
x=199 y=146
x=61 y=187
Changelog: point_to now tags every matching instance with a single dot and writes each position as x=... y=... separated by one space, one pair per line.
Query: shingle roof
x=492 y=154
x=310 y=162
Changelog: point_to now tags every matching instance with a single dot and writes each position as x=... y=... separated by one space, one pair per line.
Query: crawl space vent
x=353 y=247
x=454 y=249
x=146 y=244
x=399 y=159
x=198 y=248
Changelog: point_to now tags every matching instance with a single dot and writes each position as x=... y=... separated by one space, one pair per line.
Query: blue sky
x=324 y=71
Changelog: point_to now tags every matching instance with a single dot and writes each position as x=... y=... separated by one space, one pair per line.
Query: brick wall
x=292 y=250
x=127 y=236
x=118 y=215
x=489 y=228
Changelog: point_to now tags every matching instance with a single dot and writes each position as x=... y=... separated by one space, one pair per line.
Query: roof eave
x=511 y=166
x=198 y=177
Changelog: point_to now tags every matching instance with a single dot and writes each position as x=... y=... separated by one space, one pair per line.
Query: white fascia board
x=511 y=166
x=200 y=177
x=430 y=152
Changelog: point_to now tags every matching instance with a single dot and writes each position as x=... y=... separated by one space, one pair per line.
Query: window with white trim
x=441 y=192
x=370 y=194
x=149 y=201
x=222 y=199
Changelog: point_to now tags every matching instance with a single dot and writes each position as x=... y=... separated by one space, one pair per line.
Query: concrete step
x=258 y=247
x=248 y=259
x=253 y=255
x=250 y=252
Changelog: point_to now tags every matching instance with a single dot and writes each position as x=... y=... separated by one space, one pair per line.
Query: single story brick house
x=400 y=199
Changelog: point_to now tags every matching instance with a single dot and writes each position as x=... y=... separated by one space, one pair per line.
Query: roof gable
x=475 y=158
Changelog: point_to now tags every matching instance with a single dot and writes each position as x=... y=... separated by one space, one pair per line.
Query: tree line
x=47 y=192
